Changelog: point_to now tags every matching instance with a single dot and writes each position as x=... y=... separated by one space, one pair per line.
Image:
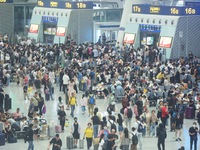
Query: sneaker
x=179 y=139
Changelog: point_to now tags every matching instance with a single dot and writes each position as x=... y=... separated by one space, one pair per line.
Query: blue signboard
x=48 y=19
x=165 y=10
x=65 y=4
x=149 y=28
x=6 y=1
x=192 y=4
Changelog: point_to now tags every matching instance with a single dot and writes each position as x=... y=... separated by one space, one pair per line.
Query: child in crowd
x=83 y=103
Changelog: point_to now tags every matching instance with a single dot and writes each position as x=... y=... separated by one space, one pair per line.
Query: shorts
x=76 y=135
x=120 y=128
x=35 y=108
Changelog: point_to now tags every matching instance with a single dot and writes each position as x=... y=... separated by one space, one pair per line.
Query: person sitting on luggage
x=7 y=128
x=17 y=115
x=24 y=124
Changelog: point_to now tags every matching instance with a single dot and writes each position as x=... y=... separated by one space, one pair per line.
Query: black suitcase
x=8 y=102
x=2 y=139
x=12 y=138
x=69 y=142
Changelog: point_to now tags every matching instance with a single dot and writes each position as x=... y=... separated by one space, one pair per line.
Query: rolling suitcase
x=58 y=129
x=189 y=113
x=69 y=142
x=51 y=131
x=8 y=102
x=2 y=139
x=81 y=143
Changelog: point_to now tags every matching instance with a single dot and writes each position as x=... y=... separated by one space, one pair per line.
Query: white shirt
x=65 y=79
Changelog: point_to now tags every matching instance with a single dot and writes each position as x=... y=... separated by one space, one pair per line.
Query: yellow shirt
x=160 y=76
x=88 y=132
x=72 y=101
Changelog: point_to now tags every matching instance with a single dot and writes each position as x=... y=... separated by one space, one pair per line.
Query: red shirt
x=164 y=111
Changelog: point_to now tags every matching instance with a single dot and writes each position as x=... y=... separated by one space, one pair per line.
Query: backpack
x=134 y=139
x=91 y=100
x=129 y=113
x=105 y=132
x=11 y=138
x=113 y=126
x=162 y=135
x=140 y=128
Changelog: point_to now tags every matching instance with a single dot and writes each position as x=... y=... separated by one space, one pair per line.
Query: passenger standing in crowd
x=61 y=74
x=153 y=123
x=91 y=102
x=29 y=137
x=35 y=103
x=139 y=126
x=37 y=84
x=95 y=121
x=89 y=135
x=134 y=139
x=56 y=142
x=65 y=79
x=72 y=103
x=40 y=104
x=75 y=130
x=128 y=114
x=198 y=119
x=193 y=136
x=139 y=104
x=62 y=117
x=165 y=114
x=162 y=135
x=178 y=128
x=125 y=140
x=83 y=104
x=120 y=125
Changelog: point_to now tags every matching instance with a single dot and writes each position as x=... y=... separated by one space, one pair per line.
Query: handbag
x=96 y=141
x=47 y=91
x=44 y=109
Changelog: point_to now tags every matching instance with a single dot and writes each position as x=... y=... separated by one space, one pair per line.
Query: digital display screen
x=166 y=10
x=129 y=38
x=149 y=40
x=64 y=4
x=61 y=31
x=34 y=28
x=165 y=42
x=6 y=1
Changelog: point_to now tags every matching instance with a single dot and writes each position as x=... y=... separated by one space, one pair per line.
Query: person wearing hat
x=56 y=142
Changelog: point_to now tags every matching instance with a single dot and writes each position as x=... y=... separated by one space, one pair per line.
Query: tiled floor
x=17 y=101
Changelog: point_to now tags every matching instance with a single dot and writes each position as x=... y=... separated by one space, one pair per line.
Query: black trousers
x=64 y=88
x=89 y=142
x=164 y=120
x=161 y=143
x=62 y=123
x=192 y=140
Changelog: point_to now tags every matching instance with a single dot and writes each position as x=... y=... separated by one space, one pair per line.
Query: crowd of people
x=136 y=78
